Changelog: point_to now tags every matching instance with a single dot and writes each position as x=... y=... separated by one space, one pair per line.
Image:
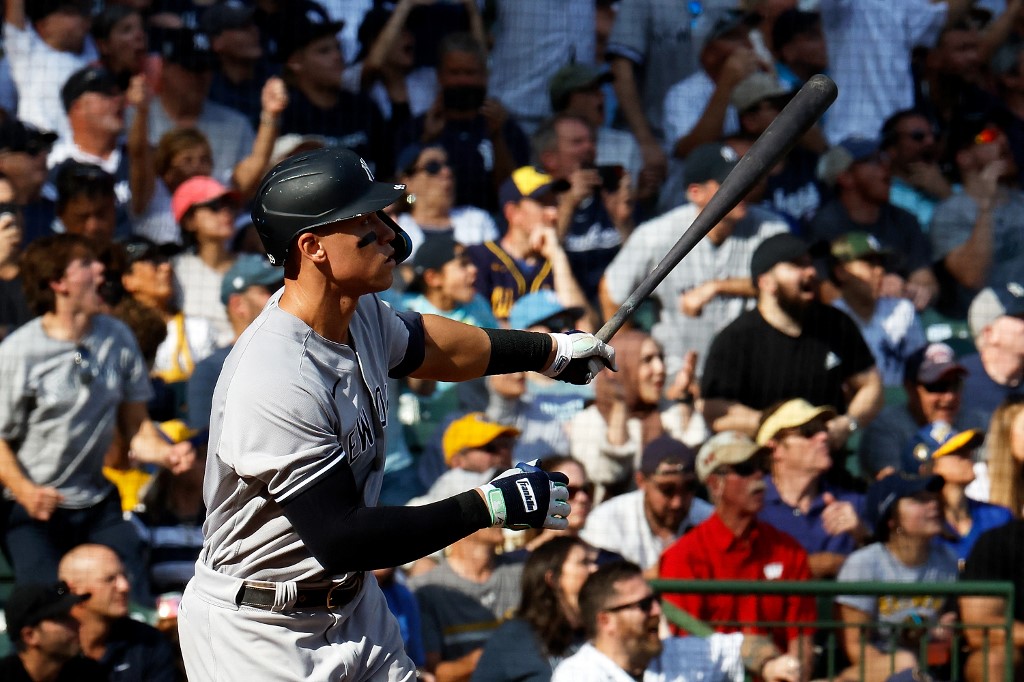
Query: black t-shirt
x=471 y=156
x=896 y=230
x=755 y=364
x=591 y=243
x=354 y=122
x=997 y=555
x=79 y=669
x=136 y=651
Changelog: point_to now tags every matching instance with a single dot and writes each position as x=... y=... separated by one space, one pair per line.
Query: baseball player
x=283 y=588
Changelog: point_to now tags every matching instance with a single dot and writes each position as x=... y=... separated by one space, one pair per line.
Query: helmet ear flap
x=401 y=243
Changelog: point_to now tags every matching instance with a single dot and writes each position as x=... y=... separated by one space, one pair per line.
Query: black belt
x=329 y=597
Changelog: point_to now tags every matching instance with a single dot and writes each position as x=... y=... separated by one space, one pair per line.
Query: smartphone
x=611 y=175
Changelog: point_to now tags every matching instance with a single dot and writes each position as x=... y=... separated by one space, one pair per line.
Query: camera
x=611 y=175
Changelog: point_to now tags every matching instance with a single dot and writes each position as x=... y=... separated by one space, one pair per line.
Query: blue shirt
x=984 y=516
x=807 y=529
x=402 y=604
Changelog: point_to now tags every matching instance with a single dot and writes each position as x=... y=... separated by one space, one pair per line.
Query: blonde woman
x=1006 y=455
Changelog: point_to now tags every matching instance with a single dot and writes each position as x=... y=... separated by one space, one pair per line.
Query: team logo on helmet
x=366 y=167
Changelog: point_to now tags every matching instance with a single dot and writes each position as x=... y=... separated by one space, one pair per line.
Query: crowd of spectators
x=829 y=386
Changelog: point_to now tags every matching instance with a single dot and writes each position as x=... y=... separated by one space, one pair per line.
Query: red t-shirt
x=711 y=552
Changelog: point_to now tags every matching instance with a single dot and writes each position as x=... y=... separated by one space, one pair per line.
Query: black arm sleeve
x=345 y=537
x=513 y=350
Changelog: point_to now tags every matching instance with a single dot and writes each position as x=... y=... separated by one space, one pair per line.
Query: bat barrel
x=796 y=118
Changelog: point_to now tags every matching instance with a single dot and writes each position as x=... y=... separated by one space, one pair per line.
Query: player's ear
x=308 y=245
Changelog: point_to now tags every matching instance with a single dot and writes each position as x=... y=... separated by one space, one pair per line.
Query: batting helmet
x=317 y=188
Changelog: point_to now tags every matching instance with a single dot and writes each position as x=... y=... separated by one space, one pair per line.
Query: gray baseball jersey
x=59 y=402
x=288 y=407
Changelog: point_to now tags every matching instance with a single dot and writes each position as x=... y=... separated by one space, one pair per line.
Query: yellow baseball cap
x=789 y=415
x=472 y=431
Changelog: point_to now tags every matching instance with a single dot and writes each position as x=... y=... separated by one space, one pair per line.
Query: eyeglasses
x=83 y=360
x=645 y=605
x=947 y=386
x=750 y=467
x=987 y=136
x=574 y=490
x=432 y=167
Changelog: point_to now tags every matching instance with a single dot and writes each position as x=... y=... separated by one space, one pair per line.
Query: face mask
x=464 y=97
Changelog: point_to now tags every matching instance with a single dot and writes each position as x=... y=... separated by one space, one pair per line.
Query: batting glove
x=579 y=357
x=527 y=497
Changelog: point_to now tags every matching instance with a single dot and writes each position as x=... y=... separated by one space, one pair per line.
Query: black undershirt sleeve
x=346 y=537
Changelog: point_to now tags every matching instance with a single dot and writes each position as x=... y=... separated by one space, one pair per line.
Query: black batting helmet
x=317 y=188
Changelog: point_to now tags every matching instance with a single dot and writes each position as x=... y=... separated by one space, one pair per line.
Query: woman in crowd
x=904 y=513
x=547 y=626
x=630 y=411
x=205 y=209
x=1006 y=455
x=121 y=41
x=430 y=199
x=182 y=153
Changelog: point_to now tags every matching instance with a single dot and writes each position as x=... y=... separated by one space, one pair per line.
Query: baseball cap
x=472 y=431
x=432 y=255
x=712 y=161
x=40 y=9
x=536 y=307
x=727 y=447
x=528 y=182
x=883 y=495
x=854 y=245
x=301 y=26
x=197 y=190
x=726 y=21
x=250 y=269
x=756 y=87
x=573 y=77
x=31 y=603
x=666 y=455
x=843 y=155
x=789 y=415
x=88 y=79
x=18 y=136
x=930 y=363
x=187 y=48
x=994 y=302
x=935 y=440
x=779 y=248
x=225 y=16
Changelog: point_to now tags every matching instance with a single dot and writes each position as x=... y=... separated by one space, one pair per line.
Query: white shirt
x=197 y=286
x=715 y=658
x=685 y=103
x=39 y=72
x=869 y=44
x=619 y=525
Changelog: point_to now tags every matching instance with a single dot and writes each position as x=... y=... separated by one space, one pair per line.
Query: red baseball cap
x=197 y=190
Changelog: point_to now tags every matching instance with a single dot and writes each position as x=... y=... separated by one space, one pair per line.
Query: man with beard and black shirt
x=483 y=143
x=790 y=346
x=317 y=102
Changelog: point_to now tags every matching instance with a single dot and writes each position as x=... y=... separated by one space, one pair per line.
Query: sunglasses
x=987 y=136
x=675 y=490
x=498 y=446
x=574 y=490
x=432 y=167
x=645 y=605
x=918 y=135
x=810 y=429
x=219 y=204
x=83 y=360
x=947 y=386
x=750 y=467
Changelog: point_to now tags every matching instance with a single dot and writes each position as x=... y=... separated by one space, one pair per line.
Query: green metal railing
x=828 y=590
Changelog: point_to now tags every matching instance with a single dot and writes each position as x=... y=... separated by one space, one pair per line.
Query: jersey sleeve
x=629 y=33
x=858 y=568
x=404 y=339
x=630 y=265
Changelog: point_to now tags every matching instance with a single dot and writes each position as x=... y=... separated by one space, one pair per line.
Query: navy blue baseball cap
x=884 y=494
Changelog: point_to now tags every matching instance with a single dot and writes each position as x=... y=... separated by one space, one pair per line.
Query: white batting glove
x=579 y=357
